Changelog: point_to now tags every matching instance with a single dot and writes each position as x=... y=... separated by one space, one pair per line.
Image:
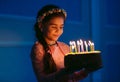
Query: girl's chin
x=55 y=39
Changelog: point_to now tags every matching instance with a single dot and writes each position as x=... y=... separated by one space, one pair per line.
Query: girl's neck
x=52 y=43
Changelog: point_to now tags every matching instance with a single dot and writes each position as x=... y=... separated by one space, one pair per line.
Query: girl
x=47 y=53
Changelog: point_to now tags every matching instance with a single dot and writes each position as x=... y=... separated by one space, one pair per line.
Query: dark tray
x=90 y=60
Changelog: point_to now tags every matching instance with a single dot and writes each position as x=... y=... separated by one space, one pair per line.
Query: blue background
x=96 y=20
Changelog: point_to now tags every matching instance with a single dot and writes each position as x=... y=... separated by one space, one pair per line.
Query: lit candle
x=74 y=44
x=86 y=46
x=70 y=46
x=81 y=44
x=78 y=46
x=92 y=48
x=91 y=44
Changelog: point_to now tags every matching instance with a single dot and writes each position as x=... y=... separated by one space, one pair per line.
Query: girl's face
x=53 y=30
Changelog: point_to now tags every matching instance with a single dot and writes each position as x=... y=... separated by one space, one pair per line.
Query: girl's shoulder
x=64 y=47
x=37 y=47
x=62 y=44
x=37 y=52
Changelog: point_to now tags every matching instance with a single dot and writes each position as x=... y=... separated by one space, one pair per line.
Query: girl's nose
x=59 y=31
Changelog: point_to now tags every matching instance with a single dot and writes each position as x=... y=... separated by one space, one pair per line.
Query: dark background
x=96 y=20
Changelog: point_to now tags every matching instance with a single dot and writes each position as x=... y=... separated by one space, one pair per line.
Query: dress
x=58 y=52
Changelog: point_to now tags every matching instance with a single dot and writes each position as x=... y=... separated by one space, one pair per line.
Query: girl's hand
x=80 y=75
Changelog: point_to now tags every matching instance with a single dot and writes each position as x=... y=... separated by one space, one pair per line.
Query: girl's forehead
x=56 y=19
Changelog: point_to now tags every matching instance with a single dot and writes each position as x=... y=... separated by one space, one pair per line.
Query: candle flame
x=78 y=42
x=72 y=43
x=85 y=43
x=89 y=43
x=92 y=43
x=81 y=41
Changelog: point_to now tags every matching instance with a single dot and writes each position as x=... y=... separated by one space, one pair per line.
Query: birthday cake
x=89 y=60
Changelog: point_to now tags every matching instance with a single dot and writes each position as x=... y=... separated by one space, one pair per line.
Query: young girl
x=47 y=53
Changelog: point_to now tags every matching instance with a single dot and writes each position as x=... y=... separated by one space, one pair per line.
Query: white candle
x=92 y=48
x=91 y=44
x=81 y=44
x=70 y=46
x=74 y=44
x=86 y=46
x=73 y=48
x=78 y=46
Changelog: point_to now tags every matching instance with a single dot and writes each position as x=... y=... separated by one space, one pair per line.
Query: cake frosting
x=90 y=52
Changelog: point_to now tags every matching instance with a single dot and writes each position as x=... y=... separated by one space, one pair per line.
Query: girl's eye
x=54 y=27
x=61 y=27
